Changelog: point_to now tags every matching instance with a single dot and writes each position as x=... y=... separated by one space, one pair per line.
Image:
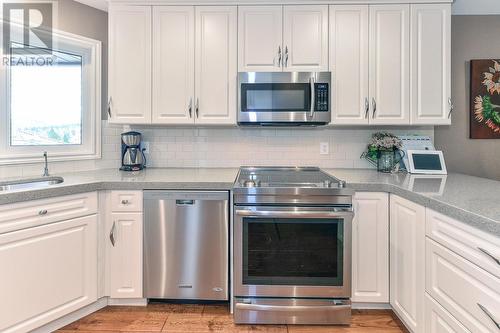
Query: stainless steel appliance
x=186 y=245
x=133 y=158
x=292 y=247
x=284 y=98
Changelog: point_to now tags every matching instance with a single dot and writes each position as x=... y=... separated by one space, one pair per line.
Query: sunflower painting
x=485 y=99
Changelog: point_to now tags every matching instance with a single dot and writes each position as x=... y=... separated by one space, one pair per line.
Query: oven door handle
x=289 y=308
x=346 y=212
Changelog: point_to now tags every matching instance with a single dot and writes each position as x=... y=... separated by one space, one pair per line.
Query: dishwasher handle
x=184 y=202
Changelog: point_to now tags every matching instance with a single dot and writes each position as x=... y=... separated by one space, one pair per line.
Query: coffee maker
x=133 y=158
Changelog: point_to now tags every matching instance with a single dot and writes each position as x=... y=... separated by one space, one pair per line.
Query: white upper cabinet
x=430 y=64
x=305 y=38
x=349 y=64
x=390 y=64
x=407 y=262
x=130 y=64
x=173 y=64
x=283 y=38
x=370 y=248
x=216 y=64
x=259 y=38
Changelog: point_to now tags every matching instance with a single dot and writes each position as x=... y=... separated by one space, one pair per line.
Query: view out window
x=46 y=102
x=51 y=100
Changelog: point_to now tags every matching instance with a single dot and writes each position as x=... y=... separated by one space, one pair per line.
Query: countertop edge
x=467 y=217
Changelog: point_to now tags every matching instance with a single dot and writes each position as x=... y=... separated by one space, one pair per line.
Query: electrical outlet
x=145 y=145
x=324 y=148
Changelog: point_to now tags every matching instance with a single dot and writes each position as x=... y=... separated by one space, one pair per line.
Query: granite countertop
x=473 y=200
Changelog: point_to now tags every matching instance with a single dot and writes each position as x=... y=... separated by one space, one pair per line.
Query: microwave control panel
x=322 y=97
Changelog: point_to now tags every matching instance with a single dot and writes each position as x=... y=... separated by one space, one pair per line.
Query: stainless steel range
x=292 y=247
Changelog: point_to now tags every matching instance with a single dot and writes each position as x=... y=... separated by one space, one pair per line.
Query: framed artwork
x=485 y=99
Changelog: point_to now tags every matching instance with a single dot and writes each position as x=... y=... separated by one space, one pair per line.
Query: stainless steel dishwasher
x=186 y=240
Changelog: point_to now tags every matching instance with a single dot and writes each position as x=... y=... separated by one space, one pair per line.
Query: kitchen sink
x=28 y=184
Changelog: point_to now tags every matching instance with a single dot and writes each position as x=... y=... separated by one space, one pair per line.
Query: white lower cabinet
x=126 y=255
x=438 y=320
x=47 y=272
x=407 y=265
x=370 y=248
x=469 y=293
x=124 y=239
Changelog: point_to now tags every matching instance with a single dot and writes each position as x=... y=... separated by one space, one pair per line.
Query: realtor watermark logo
x=27 y=30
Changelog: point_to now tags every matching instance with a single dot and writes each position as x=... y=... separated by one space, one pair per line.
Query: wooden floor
x=175 y=318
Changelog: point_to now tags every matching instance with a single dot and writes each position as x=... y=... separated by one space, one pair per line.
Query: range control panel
x=321 y=97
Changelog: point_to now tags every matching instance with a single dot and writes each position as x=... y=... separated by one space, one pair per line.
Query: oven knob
x=342 y=183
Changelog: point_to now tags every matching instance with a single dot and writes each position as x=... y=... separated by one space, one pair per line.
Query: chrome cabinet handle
x=190 y=107
x=374 y=105
x=43 y=212
x=197 y=108
x=286 y=56
x=110 y=101
x=112 y=234
x=279 y=56
x=452 y=107
x=489 y=255
x=125 y=202
x=313 y=96
x=489 y=315
x=367 y=107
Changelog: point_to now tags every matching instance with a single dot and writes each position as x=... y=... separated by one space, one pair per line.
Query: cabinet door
x=216 y=65
x=370 y=248
x=349 y=64
x=130 y=64
x=125 y=244
x=430 y=64
x=305 y=38
x=407 y=264
x=47 y=272
x=259 y=38
x=390 y=64
x=438 y=320
x=173 y=65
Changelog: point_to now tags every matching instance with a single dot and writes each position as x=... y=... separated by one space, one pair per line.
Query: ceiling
x=99 y=4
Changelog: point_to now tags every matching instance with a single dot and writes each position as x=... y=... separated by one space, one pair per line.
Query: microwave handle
x=313 y=96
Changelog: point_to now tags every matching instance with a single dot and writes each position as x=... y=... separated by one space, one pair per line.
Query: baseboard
x=72 y=317
x=373 y=306
x=128 y=301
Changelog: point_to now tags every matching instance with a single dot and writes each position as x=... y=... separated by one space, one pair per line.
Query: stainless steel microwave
x=284 y=98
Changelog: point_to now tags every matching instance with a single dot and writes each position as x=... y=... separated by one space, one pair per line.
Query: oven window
x=293 y=252
x=267 y=97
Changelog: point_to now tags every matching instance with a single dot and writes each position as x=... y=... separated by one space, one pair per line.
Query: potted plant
x=383 y=151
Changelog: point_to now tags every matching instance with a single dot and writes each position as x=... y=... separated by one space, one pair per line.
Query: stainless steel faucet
x=46 y=169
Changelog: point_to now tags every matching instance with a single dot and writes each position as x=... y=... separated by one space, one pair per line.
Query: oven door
x=300 y=98
x=295 y=252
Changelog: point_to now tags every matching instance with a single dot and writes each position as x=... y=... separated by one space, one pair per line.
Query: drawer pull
x=112 y=235
x=488 y=313
x=125 y=202
x=489 y=255
x=43 y=212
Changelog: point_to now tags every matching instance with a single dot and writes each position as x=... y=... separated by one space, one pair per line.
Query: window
x=52 y=101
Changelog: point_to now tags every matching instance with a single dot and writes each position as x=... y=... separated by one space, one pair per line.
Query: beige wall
x=86 y=21
x=472 y=37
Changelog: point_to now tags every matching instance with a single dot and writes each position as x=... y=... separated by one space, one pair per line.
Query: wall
x=473 y=37
x=86 y=21
x=476 y=7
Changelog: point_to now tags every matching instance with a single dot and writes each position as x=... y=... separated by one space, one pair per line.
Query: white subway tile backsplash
x=229 y=147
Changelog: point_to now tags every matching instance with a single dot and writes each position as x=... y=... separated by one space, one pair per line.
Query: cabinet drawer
x=38 y=212
x=468 y=292
x=476 y=246
x=126 y=201
x=438 y=320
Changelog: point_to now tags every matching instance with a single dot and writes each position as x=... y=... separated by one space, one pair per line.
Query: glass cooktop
x=304 y=177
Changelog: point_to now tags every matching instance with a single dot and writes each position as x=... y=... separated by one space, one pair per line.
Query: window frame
x=90 y=148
